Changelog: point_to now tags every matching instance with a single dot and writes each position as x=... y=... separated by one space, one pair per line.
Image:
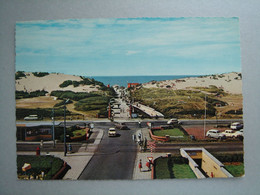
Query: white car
x=172 y=121
x=31 y=117
x=229 y=133
x=112 y=132
x=236 y=126
x=213 y=133
x=239 y=133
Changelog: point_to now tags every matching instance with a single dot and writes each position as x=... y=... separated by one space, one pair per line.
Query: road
x=114 y=158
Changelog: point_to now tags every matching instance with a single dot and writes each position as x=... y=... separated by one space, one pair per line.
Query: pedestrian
x=140 y=165
x=148 y=164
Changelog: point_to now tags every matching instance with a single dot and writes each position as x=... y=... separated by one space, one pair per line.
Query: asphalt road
x=114 y=158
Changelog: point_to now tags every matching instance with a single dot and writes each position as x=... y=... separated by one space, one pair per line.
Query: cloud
x=131 y=52
x=105 y=41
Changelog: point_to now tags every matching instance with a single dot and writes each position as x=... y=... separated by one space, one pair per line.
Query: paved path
x=144 y=174
x=148 y=110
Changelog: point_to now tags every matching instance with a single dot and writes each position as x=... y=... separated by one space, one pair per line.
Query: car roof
x=213 y=130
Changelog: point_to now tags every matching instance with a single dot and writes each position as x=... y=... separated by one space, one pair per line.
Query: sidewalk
x=144 y=174
x=78 y=160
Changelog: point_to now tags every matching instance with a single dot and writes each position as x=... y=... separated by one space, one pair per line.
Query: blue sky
x=129 y=46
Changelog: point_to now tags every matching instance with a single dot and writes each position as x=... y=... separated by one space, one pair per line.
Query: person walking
x=148 y=164
x=140 y=165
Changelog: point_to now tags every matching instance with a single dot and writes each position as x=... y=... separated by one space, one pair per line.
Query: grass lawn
x=170 y=132
x=79 y=132
x=165 y=169
x=49 y=164
x=236 y=170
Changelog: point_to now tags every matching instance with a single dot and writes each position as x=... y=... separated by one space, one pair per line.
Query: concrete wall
x=193 y=165
x=212 y=166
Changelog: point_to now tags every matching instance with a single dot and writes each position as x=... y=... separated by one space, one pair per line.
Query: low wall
x=158 y=138
x=38 y=137
x=62 y=171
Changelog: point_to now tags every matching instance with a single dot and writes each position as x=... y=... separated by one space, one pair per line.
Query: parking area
x=198 y=130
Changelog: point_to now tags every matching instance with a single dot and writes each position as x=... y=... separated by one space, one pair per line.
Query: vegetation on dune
x=23 y=94
x=19 y=75
x=76 y=96
x=176 y=103
x=188 y=103
x=84 y=81
x=211 y=89
x=93 y=103
x=40 y=112
x=40 y=74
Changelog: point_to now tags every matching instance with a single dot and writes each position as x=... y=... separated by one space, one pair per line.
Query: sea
x=123 y=80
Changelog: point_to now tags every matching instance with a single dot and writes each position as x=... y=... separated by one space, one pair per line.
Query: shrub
x=40 y=74
x=62 y=103
x=66 y=83
x=41 y=112
x=72 y=95
x=240 y=111
x=23 y=94
x=19 y=75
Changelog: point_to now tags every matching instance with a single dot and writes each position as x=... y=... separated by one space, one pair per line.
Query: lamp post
x=53 y=127
x=205 y=117
x=65 y=146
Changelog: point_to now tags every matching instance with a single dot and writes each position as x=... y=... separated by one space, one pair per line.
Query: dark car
x=120 y=126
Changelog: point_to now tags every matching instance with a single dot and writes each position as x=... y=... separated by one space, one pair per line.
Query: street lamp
x=65 y=146
x=205 y=117
x=53 y=127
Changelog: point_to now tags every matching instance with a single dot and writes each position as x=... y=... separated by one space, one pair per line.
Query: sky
x=129 y=46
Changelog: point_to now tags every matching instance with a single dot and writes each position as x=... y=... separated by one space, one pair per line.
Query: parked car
x=31 y=117
x=172 y=121
x=239 y=133
x=236 y=126
x=213 y=133
x=111 y=132
x=121 y=126
x=229 y=133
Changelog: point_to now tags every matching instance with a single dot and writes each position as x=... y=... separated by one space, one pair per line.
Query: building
x=132 y=84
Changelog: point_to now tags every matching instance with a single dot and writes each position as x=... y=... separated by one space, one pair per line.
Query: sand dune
x=50 y=83
x=229 y=82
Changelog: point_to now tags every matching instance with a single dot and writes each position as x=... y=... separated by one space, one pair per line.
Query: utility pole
x=53 y=127
x=205 y=117
x=65 y=146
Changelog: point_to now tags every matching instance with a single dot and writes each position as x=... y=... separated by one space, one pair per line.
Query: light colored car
x=31 y=117
x=120 y=126
x=213 y=133
x=112 y=132
x=172 y=121
x=229 y=133
x=236 y=126
x=239 y=133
